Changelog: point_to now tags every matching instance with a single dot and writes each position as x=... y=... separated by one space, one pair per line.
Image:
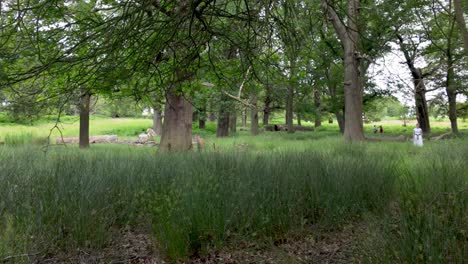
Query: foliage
x=379 y=108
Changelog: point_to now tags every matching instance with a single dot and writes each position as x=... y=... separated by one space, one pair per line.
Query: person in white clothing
x=417 y=135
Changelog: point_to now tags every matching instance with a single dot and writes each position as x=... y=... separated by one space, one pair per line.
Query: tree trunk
x=177 y=125
x=422 y=113
x=266 y=117
x=450 y=87
x=233 y=122
x=223 y=122
x=348 y=35
x=318 y=111
x=84 y=106
x=266 y=109
x=341 y=121
x=353 y=100
x=452 y=100
x=289 y=109
x=201 y=123
x=253 y=114
x=244 y=117
x=461 y=23
x=157 y=120
x=299 y=121
x=212 y=117
x=202 y=118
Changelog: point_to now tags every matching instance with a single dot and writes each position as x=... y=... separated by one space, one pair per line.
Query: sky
x=392 y=67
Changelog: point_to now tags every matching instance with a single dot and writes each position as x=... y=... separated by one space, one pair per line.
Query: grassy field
x=412 y=202
x=127 y=128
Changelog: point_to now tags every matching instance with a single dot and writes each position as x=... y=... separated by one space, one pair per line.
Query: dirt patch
x=334 y=247
x=128 y=246
x=324 y=247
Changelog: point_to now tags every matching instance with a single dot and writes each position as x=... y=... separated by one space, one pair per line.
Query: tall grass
x=429 y=219
x=69 y=199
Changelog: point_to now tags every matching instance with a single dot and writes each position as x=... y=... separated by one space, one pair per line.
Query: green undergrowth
x=68 y=200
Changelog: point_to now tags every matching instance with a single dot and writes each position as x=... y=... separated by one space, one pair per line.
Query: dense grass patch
x=70 y=199
x=428 y=221
x=247 y=188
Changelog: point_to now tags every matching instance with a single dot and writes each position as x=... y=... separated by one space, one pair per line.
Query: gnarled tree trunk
x=84 y=106
x=177 y=125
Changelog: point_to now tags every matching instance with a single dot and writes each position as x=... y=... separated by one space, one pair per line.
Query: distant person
x=380 y=129
x=417 y=136
x=374 y=129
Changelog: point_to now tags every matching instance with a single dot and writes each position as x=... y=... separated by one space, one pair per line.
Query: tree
x=461 y=23
x=410 y=51
x=349 y=36
x=445 y=43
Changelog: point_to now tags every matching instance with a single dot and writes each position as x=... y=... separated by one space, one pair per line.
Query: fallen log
x=441 y=136
x=285 y=128
x=92 y=139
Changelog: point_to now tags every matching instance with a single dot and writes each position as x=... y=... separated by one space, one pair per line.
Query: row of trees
x=202 y=56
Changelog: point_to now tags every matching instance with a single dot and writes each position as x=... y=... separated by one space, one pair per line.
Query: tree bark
x=450 y=86
x=348 y=35
x=244 y=117
x=318 y=111
x=253 y=114
x=289 y=109
x=177 y=125
x=233 y=122
x=452 y=100
x=461 y=23
x=299 y=121
x=222 y=129
x=341 y=121
x=422 y=112
x=266 y=117
x=266 y=109
x=157 y=120
x=84 y=106
x=202 y=118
